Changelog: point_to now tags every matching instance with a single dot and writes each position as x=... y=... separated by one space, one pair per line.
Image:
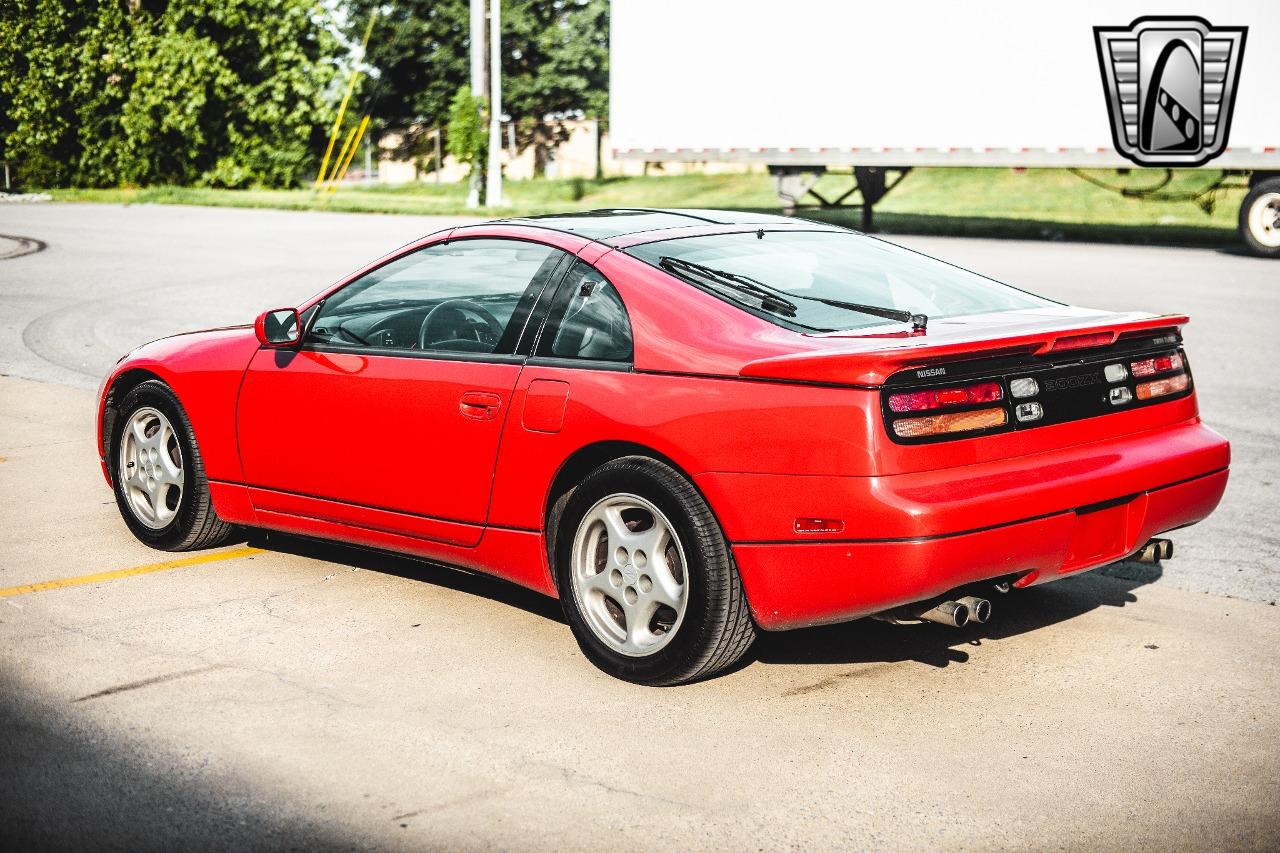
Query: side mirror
x=278 y=328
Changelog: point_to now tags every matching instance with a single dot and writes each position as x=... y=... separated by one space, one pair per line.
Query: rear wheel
x=646 y=579
x=158 y=473
x=1260 y=218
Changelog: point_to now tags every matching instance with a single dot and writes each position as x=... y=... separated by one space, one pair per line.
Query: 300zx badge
x=1082 y=381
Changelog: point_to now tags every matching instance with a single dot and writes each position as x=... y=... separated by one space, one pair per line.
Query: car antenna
x=760 y=234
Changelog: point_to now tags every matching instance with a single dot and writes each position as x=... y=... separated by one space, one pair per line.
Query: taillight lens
x=1159 y=364
x=938 y=398
x=950 y=422
x=1162 y=387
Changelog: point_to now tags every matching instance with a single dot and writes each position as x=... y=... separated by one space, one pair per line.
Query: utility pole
x=477 y=89
x=493 y=195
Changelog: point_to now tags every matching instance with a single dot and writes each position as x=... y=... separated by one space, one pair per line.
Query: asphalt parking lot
x=282 y=693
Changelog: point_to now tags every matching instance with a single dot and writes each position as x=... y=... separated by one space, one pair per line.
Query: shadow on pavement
x=863 y=641
x=412 y=568
x=1014 y=613
x=67 y=784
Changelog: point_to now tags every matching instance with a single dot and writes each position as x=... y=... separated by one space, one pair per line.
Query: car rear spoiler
x=870 y=361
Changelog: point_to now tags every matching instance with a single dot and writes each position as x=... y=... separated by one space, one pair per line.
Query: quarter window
x=588 y=320
x=462 y=296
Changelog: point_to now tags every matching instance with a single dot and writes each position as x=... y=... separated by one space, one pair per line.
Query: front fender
x=205 y=370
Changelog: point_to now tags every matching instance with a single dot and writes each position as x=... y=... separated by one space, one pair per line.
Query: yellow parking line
x=126 y=573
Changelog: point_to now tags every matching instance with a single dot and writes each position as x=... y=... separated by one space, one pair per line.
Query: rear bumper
x=912 y=537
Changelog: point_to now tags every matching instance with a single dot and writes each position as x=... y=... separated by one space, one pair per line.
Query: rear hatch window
x=795 y=279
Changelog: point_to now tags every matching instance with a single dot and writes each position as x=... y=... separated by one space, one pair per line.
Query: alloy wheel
x=629 y=574
x=150 y=468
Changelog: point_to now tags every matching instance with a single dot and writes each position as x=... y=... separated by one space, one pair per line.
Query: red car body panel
x=795 y=585
x=204 y=369
x=454 y=460
x=385 y=446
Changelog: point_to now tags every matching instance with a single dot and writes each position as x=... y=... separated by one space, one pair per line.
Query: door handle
x=480 y=405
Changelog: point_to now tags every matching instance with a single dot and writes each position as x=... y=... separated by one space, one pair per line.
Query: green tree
x=555 y=64
x=38 y=70
x=467 y=138
x=210 y=92
x=418 y=49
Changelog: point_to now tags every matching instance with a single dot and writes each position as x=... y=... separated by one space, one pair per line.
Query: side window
x=587 y=320
x=461 y=296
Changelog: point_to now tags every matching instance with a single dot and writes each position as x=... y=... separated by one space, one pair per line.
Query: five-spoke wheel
x=151 y=467
x=158 y=472
x=629 y=574
x=646 y=578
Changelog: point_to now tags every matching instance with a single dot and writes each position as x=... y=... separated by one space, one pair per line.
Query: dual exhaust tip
x=970 y=608
x=956 y=613
x=959 y=613
x=1155 y=551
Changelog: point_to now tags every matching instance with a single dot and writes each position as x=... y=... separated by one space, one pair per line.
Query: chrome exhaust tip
x=1155 y=551
x=979 y=608
x=953 y=613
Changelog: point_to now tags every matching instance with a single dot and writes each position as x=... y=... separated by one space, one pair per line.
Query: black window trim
x=537 y=314
x=580 y=363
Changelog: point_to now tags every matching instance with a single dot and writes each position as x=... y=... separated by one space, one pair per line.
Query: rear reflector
x=1160 y=364
x=949 y=423
x=937 y=398
x=1101 y=339
x=1162 y=387
x=819 y=525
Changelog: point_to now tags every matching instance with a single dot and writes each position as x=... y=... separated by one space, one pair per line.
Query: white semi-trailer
x=805 y=86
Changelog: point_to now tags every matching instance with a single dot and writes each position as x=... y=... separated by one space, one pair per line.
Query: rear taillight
x=1050 y=392
x=1159 y=364
x=1162 y=387
x=941 y=398
x=949 y=422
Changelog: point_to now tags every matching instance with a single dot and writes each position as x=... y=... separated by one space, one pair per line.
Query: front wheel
x=1260 y=218
x=646 y=579
x=158 y=473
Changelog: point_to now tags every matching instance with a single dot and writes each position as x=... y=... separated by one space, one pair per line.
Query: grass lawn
x=1036 y=203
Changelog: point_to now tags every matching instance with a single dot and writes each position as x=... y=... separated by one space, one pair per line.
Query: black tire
x=195 y=525
x=716 y=629
x=1256 y=198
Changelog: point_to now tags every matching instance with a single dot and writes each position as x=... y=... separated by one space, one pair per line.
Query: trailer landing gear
x=795 y=184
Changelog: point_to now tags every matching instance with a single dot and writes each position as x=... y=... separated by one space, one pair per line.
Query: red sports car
x=687 y=425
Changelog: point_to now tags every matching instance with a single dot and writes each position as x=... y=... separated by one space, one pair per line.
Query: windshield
x=807 y=267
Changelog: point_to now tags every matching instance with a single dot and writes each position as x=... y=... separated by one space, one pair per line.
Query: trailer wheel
x=1260 y=218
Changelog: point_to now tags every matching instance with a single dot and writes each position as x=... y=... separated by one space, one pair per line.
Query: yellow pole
x=337 y=163
x=342 y=110
x=352 y=153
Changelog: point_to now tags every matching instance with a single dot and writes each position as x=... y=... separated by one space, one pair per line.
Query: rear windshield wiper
x=917 y=321
x=769 y=301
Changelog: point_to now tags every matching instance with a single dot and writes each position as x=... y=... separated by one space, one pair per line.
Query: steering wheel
x=450 y=315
